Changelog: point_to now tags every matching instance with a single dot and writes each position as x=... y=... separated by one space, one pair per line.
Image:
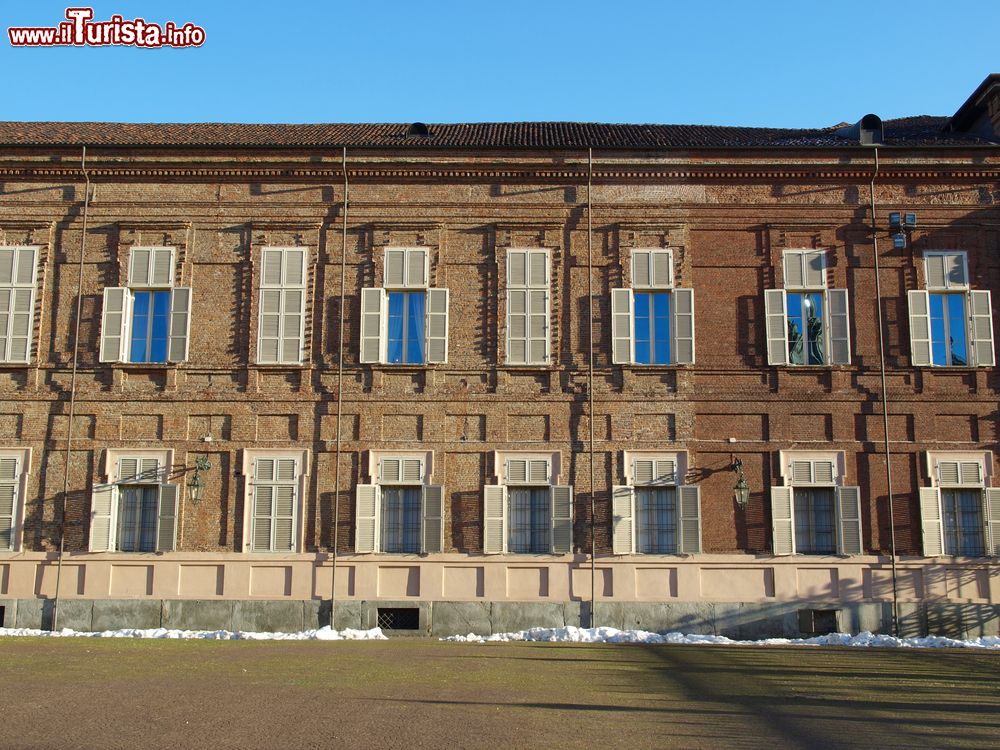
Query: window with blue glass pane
x=652 y=328
x=150 y=326
x=949 y=330
x=805 y=328
x=963 y=522
x=405 y=343
x=815 y=521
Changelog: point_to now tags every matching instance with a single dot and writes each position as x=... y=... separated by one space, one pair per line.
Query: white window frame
x=560 y=519
x=527 y=288
x=625 y=521
x=375 y=304
x=800 y=283
x=931 y=508
x=111 y=480
x=283 y=288
x=848 y=526
x=14 y=287
x=303 y=459
x=388 y=469
x=116 y=324
x=623 y=309
x=23 y=457
x=979 y=327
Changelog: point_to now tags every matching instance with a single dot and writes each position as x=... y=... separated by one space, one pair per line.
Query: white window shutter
x=517 y=326
x=641 y=276
x=269 y=326
x=970 y=472
x=27 y=265
x=264 y=469
x=517 y=471
x=437 y=326
x=920 y=327
x=946 y=271
x=782 y=519
x=412 y=470
x=662 y=269
x=682 y=328
x=284 y=518
x=814 y=268
x=390 y=471
x=161 y=272
x=373 y=302
x=9 y=486
x=128 y=469
x=981 y=321
x=666 y=471
x=849 y=541
x=432 y=532
x=293 y=318
x=840 y=327
x=801 y=472
x=949 y=473
x=538 y=471
x=416 y=267
x=103 y=506
x=538 y=269
x=562 y=519
x=294 y=267
x=643 y=471
x=166 y=519
x=494 y=519
x=793 y=276
x=272 y=263
x=622 y=508
x=19 y=325
x=180 y=324
x=932 y=527
x=114 y=323
x=395 y=267
x=538 y=326
x=824 y=472
x=689 y=506
x=263 y=517
x=366 y=518
x=149 y=470
x=991 y=515
x=517 y=268
x=7 y=256
x=138 y=266
x=623 y=338
x=776 y=323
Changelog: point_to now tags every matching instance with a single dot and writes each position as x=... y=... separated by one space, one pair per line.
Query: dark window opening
x=818 y=621
x=399 y=618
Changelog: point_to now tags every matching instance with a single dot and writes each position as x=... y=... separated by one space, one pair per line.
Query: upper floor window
x=959 y=514
x=528 y=301
x=17 y=302
x=951 y=325
x=807 y=323
x=150 y=319
x=527 y=512
x=405 y=321
x=136 y=510
x=653 y=322
x=400 y=512
x=282 y=308
x=655 y=513
x=814 y=513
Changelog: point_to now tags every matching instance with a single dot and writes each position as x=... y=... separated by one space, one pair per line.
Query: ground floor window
x=137 y=511
x=962 y=511
x=815 y=521
x=401 y=510
x=656 y=516
x=529 y=520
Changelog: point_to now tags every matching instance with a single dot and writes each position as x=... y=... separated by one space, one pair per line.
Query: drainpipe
x=885 y=405
x=72 y=392
x=340 y=400
x=590 y=383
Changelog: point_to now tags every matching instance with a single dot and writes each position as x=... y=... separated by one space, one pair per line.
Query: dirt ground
x=410 y=694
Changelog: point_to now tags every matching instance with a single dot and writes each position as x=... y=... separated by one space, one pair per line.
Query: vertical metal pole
x=590 y=383
x=885 y=406
x=340 y=401
x=72 y=391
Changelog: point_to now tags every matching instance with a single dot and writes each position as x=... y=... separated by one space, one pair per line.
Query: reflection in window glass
x=963 y=522
x=405 y=343
x=150 y=325
x=949 y=334
x=805 y=328
x=815 y=521
x=652 y=328
x=656 y=512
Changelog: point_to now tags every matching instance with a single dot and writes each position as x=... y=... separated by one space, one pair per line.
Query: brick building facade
x=735 y=316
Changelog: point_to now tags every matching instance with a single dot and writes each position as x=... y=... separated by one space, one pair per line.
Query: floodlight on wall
x=900 y=225
x=742 y=489
x=197 y=485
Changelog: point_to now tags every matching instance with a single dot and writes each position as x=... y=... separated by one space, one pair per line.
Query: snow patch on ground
x=571 y=634
x=322 y=634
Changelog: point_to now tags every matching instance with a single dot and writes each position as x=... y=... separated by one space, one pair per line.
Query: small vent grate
x=399 y=618
x=818 y=621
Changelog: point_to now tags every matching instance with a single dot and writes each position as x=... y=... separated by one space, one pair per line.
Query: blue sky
x=783 y=64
